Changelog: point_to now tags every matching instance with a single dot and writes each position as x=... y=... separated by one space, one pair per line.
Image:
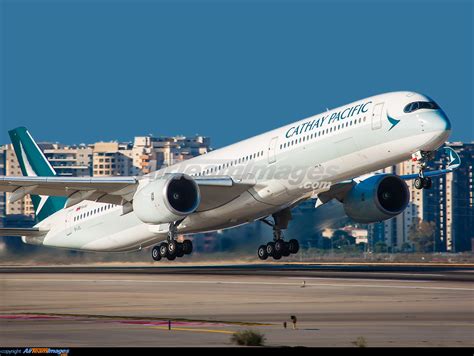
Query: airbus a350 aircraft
x=324 y=157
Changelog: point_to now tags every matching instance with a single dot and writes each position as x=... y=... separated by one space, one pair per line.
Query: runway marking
x=359 y=279
x=341 y=285
x=193 y=329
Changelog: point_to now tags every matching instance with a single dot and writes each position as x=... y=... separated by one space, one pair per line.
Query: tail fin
x=33 y=163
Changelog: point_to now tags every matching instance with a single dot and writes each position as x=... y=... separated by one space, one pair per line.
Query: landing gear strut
x=172 y=248
x=422 y=157
x=278 y=248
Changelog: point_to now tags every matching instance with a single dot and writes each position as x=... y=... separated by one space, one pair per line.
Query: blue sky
x=83 y=71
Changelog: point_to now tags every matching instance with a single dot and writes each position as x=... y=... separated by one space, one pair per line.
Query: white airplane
x=326 y=156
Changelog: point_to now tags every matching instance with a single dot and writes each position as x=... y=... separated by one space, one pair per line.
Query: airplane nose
x=443 y=120
x=435 y=122
x=438 y=127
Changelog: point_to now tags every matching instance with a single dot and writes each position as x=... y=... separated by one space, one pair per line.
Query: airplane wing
x=339 y=190
x=15 y=231
x=453 y=164
x=215 y=190
x=105 y=190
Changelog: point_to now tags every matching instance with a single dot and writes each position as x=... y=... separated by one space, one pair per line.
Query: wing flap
x=219 y=190
x=114 y=190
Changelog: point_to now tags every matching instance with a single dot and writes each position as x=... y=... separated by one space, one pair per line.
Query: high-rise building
x=165 y=151
x=2 y=173
x=113 y=159
x=448 y=204
x=145 y=155
x=71 y=161
x=22 y=206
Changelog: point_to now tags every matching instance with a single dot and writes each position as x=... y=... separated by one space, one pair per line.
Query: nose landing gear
x=278 y=248
x=423 y=183
x=422 y=157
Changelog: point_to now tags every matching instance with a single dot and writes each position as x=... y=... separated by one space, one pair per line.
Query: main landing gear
x=278 y=248
x=172 y=248
x=422 y=182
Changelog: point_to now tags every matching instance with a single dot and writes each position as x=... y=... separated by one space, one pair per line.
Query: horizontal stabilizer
x=19 y=231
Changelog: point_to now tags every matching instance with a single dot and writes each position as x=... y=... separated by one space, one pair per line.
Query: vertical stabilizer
x=33 y=163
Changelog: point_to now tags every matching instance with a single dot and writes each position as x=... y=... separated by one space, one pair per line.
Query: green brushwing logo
x=33 y=163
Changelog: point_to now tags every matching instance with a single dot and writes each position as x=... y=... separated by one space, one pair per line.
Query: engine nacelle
x=377 y=198
x=166 y=199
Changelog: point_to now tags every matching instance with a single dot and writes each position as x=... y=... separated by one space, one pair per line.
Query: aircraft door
x=272 y=150
x=377 y=116
x=69 y=222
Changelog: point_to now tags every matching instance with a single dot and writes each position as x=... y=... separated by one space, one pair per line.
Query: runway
x=406 y=271
x=112 y=306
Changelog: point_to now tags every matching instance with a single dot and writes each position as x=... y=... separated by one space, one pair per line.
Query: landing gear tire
x=163 y=250
x=172 y=246
x=179 y=250
x=187 y=247
x=293 y=246
x=270 y=248
x=155 y=253
x=262 y=252
x=418 y=183
x=276 y=256
x=279 y=246
x=171 y=257
x=423 y=183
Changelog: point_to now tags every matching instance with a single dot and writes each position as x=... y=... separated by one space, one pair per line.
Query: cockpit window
x=416 y=105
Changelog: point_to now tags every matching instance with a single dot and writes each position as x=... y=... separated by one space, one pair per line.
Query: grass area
x=248 y=338
x=360 y=342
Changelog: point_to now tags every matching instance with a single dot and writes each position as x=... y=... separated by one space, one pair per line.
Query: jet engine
x=377 y=198
x=166 y=199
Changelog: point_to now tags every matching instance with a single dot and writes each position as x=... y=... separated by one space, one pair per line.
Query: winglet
x=454 y=159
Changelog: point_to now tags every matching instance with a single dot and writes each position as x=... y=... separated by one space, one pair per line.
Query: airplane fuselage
x=286 y=166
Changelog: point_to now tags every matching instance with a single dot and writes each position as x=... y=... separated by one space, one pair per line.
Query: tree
x=380 y=247
x=341 y=238
x=421 y=234
x=406 y=247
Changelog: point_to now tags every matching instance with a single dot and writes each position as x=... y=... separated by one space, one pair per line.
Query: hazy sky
x=83 y=71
